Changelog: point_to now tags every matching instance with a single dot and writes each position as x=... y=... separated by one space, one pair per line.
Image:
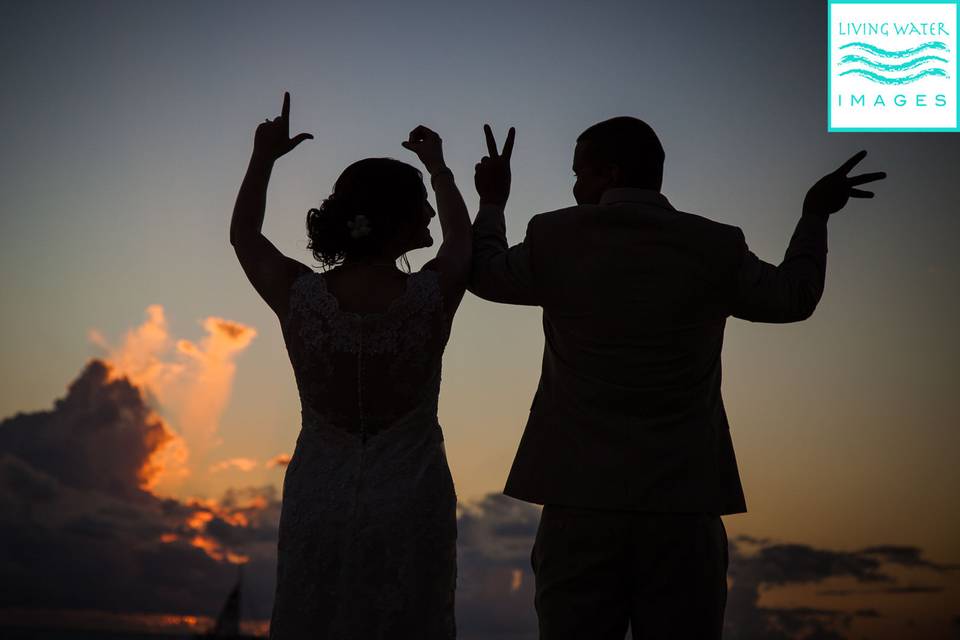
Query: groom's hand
x=492 y=173
x=831 y=192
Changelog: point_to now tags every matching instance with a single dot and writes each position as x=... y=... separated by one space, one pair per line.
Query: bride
x=367 y=539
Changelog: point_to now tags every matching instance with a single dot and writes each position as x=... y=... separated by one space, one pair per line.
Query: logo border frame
x=832 y=129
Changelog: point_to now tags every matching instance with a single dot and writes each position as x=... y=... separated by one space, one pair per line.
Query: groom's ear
x=615 y=175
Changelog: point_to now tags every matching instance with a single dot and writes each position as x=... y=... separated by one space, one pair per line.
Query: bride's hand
x=272 y=138
x=428 y=146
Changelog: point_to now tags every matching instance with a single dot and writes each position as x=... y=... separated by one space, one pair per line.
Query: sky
x=127 y=131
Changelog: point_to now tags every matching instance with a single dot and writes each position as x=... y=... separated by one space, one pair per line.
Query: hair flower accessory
x=359 y=226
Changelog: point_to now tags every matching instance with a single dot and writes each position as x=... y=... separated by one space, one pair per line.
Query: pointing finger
x=491 y=143
x=285 y=112
x=859 y=193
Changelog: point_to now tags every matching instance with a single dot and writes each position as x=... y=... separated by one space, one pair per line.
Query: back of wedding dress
x=362 y=373
x=368 y=524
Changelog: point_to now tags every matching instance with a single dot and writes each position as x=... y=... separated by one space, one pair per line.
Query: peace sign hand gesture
x=272 y=138
x=831 y=192
x=492 y=173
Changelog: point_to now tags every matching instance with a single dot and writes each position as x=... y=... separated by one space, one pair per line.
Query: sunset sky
x=127 y=127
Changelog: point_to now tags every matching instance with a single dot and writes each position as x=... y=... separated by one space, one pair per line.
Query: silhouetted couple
x=627 y=444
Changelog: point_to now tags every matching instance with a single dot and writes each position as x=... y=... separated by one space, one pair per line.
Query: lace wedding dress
x=367 y=542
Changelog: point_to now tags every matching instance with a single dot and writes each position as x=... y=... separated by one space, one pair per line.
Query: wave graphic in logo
x=884 y=53
x=876 y=77
x=883 y=69
x=903 y=66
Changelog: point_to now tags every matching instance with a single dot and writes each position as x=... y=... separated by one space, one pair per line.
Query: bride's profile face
x=421 y=232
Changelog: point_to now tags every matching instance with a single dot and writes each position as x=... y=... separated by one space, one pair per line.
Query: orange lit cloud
x=213 y=549
x=168 y=456
x=279 y=460
x=189 y=382
x=76 y=499
x=516 y=581
x=241 y=464
x=211 y=376
x=205 y=522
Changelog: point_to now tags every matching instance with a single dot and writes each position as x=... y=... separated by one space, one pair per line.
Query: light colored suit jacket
x=635 y=297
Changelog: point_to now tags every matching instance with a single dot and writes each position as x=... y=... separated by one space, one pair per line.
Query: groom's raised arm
x=790 y=291
x=501 y=273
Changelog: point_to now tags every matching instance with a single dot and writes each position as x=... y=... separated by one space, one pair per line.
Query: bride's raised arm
x=269 y=271
x=455 y=253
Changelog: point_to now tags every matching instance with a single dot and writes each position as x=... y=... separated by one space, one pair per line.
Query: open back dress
x=367 y=540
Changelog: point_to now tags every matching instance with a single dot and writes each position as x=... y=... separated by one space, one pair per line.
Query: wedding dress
x=367 y=539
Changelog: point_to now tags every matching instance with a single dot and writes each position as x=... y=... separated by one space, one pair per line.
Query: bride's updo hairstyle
x=372 y=201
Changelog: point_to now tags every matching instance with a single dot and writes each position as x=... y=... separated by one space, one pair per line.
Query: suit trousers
x=598 y=571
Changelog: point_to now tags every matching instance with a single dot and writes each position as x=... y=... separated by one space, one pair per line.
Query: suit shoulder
x=711 y=227
x=553 y=219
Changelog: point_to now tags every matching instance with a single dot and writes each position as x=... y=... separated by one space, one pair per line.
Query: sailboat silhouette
x=228 y=620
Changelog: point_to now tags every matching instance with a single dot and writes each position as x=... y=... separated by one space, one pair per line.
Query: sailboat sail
x=228 y=622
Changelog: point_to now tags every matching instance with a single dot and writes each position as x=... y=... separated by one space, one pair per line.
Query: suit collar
x=630 y=194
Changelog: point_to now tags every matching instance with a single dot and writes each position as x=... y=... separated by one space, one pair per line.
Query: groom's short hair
x=629 y=143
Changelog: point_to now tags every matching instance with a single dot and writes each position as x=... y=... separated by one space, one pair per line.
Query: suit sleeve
x=501 y=273
x=790 y=291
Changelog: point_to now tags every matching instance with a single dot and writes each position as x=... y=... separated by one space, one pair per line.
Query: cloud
x=79 y=505
x=187 y=383
x=77 y=508
x=914 y=589
x=906 y=556
x=495 y=592
x=757 y=565
x=213 y=369
x=494 y=576
x=279 y=460
x=100 y=437
x=241 y=464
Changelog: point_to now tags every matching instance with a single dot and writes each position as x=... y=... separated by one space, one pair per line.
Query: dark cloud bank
x=77 y=532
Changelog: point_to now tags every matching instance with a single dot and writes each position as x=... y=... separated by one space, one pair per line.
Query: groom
x=627 y=444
